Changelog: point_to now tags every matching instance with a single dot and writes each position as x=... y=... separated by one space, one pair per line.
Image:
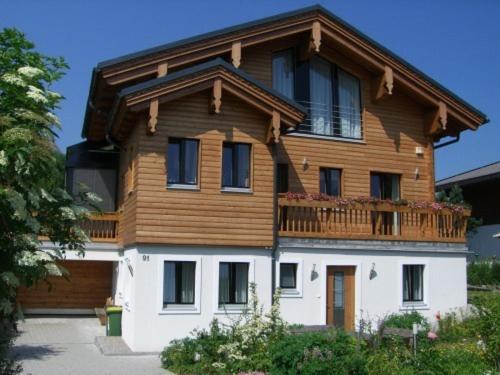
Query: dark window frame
x=232 y=283
x=304 y=70
x=181 y=166
x=327 y=179
x=234 y=165
x=293 y=53
x=282 y=178
x=178 y=283
x=411 y=298
x=384 y=175
x=295 y=269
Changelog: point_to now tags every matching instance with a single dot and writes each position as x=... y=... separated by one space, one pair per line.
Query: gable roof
x=485 y=172
x=202 y=77
x=303 y=17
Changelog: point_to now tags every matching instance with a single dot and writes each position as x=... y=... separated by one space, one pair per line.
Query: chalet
x=291 y=152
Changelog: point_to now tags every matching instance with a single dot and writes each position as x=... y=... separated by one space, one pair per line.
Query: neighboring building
x=481 y=189
x=199 y=137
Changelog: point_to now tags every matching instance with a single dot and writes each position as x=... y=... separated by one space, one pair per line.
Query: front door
x=340 y=297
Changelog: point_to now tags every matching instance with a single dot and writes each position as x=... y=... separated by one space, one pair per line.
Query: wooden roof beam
x=236 y=54
x=437 y=120
x=216 y=100
x=383 y=85
x=273 y=131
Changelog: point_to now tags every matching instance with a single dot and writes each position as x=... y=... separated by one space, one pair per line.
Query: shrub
x=406 y=320
x=333 y=352
x=483 y=273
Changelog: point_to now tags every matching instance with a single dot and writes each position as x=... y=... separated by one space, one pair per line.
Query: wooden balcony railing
x=371 y=221
x=102 y=227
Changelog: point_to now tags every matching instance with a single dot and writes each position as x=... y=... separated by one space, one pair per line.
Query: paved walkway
x=65 y=346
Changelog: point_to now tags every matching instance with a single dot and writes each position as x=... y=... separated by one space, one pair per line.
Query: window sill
x=183 y=187
x=231 y=309
x=291 y=293
x=410 y=306
x=180 y=309
x=236 y=190
x=327 y=137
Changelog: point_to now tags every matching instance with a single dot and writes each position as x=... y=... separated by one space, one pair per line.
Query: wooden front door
x=340 y=297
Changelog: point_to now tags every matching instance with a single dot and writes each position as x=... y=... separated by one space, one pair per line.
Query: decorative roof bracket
x=236 y=54
x=383 y=85
x=216 y=101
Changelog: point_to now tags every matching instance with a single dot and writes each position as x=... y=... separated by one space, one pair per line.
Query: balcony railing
x=370 y=221
x=102 y=227
x=332 y=121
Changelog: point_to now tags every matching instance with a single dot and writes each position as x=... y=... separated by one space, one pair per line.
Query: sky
x=456 y=42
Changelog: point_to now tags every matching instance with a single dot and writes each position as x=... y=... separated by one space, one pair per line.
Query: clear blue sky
x=457 y=42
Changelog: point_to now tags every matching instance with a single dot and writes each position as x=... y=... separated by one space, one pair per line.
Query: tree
x=32 y=201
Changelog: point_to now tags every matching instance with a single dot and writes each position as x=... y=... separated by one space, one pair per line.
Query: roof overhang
x=145 y=65
x=216 y=75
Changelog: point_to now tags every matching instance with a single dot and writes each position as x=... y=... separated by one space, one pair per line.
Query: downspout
x=457 y=138
x=275 y=220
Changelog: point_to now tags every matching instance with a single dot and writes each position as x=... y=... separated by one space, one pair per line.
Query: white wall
x=444 y=283
x=146 y=328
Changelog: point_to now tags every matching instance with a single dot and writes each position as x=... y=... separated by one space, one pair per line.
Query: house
x=480 y=189
x=240 y=156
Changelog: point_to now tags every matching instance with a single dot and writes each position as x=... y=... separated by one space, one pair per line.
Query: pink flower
x=432 y=335
x=438 y=316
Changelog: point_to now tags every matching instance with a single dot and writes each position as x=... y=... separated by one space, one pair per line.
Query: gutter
x=457 y=138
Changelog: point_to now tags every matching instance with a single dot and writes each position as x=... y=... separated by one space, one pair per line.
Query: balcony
x=332 y=121
x=102 y=227
x=366 y=219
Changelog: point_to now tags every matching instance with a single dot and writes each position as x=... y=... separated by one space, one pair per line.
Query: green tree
x=33 y=202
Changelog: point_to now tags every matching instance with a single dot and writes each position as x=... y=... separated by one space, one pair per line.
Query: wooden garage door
x=89 y=285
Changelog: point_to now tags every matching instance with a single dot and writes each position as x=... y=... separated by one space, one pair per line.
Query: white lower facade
x=148 y=326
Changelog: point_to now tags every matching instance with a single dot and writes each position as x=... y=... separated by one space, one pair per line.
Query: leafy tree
x=33 y=202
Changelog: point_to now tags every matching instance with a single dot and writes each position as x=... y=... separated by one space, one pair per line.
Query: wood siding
x=207 y=216
x=88 y=285
x=392 y=128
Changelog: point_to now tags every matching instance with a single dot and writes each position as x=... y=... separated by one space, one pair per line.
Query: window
x=413 y=283
x=282 y=175
x=178 y=283
x=236 y=165
x=385 y=186
x=182 y=161
x=329 y=181
x=334 y=101
x=288 y=275
x=233 y=283
x=283 y=73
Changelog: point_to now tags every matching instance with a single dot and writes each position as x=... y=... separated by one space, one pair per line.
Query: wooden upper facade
x=218 y=92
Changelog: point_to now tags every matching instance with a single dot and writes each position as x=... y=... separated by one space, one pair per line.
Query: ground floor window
x=178 y=283
x=413 y=283
x=288 y=275
x=233 y=283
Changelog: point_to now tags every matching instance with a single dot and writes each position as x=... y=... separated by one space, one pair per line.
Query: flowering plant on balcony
x=351 y=201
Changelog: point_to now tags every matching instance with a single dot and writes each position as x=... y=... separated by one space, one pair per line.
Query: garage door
x=89 y=284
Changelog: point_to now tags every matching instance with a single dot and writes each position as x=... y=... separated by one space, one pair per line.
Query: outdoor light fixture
x=373 y=273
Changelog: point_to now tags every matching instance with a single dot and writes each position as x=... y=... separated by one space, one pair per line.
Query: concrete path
x=65 y=346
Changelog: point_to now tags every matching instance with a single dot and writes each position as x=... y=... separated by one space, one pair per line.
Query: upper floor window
x=283 y=72
x=413 y=283
x=334 y=101
x=385 y=186
x=329 y=181
x=182 y=161
x=282 y=176
x=236 y=165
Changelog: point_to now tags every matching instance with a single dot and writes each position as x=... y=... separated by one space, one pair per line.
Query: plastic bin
x=114 y=321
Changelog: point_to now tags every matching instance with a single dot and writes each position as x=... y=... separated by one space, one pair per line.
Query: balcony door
x=340 y=297
x=321 y=96
x=385 y=186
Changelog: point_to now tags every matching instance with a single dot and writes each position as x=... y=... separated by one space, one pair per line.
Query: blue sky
x=457 y=42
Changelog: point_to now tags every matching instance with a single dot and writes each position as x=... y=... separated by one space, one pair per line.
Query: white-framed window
x=179 y=284
x=289 y=277
x=414 y=285
x=232 y=278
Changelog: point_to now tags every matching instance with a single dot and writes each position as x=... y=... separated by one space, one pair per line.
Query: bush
x=317 y=353
x=406 y=320
x=7 y=333
x=483 y=273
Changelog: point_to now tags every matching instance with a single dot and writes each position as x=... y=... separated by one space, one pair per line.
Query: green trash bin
x=114 y=321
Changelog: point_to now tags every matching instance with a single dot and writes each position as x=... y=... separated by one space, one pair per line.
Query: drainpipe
x=275 y=220
x=457 y=138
